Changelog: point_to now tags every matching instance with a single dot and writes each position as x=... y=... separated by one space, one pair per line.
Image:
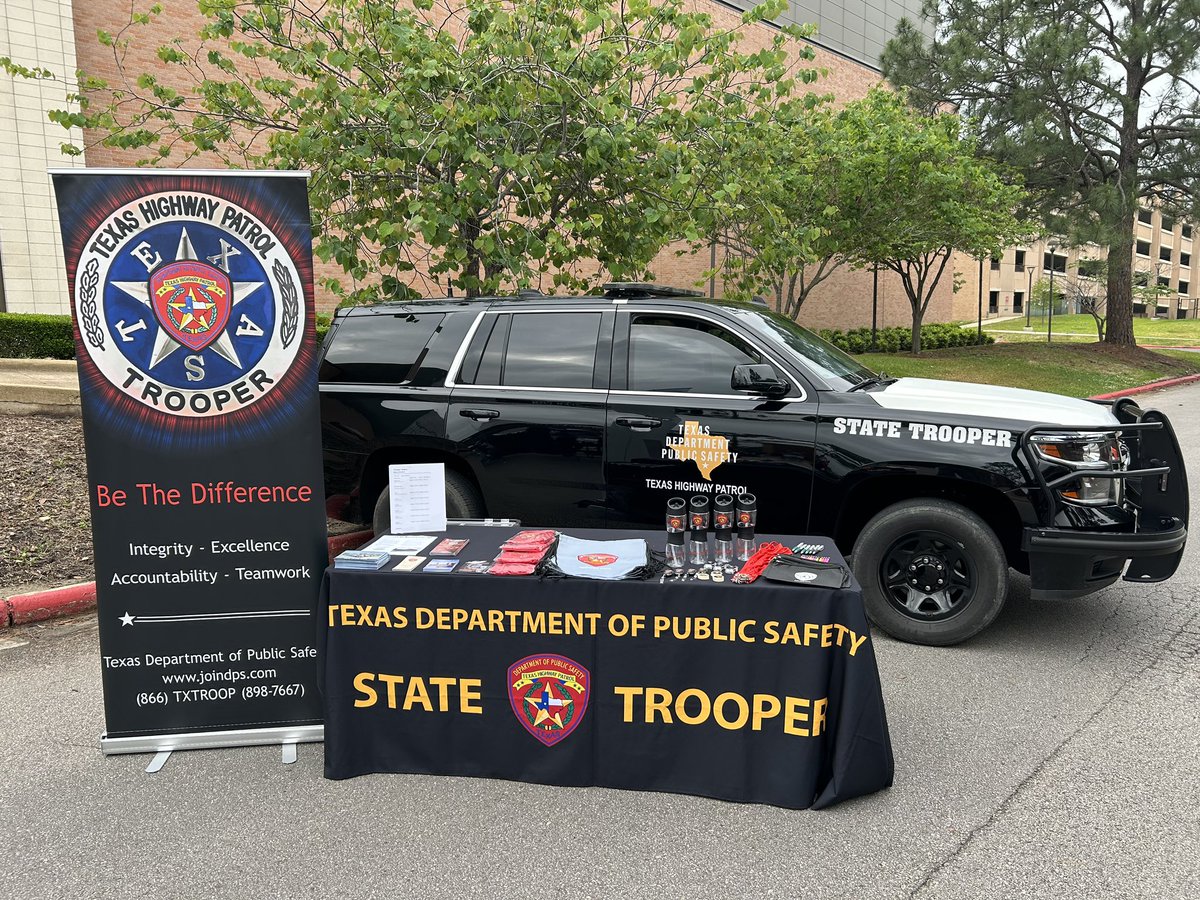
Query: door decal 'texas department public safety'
x=694 y=442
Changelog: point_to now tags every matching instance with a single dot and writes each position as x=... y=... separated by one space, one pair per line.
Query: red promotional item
x=530 y=540
x=754 y=565
x=521 y=556
x=507 y=568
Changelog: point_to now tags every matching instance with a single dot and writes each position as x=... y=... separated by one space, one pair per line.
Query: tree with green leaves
x=795 y=219
x=484 y=142
x=922 y=193
x=1095 y=102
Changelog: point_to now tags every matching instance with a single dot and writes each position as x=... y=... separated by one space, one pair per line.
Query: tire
x=462 y=502
x=906 y=543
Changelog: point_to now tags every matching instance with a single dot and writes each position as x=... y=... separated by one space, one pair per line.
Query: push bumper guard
x=1068 y=562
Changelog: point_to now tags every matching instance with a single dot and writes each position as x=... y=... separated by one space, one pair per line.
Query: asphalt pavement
x=1055 y=756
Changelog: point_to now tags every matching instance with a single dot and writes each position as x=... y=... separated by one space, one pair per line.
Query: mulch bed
x=45 y=522
x=45 y=518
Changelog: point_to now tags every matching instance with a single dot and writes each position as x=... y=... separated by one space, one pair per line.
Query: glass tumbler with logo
x=698 y=518
x=723 y=518
x=747 y=520
x=677 y=520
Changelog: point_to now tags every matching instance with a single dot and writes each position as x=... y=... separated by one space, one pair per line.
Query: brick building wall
x=843 y=301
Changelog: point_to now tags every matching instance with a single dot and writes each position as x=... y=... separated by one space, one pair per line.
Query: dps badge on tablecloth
x=549 y=695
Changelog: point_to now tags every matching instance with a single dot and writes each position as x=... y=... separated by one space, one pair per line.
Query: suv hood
x=988 y=401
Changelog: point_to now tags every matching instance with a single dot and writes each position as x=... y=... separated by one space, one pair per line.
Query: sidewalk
x=29 y=386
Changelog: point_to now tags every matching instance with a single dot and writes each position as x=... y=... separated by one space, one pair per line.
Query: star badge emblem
x=184 y=312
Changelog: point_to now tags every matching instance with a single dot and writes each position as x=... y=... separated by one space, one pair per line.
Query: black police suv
x=593 y=411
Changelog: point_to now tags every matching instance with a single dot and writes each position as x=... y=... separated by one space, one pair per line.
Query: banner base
x=212 y=740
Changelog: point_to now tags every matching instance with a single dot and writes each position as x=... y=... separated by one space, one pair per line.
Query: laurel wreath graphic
x=89 y=316
x=291 y=302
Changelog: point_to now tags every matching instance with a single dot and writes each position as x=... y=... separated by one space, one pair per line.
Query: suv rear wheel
x=462 y=502
x=932 y=572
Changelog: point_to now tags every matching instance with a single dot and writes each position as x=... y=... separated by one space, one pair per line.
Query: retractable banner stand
x=194 y=330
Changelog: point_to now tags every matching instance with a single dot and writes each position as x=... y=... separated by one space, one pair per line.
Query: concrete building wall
x=33 y=33
x=1162 y=258
x=855 y=28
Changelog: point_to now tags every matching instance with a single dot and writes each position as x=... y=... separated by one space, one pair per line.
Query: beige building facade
x=33 y=33
x=1162 y=272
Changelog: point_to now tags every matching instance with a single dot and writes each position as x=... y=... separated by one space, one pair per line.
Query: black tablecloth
x=738 y=679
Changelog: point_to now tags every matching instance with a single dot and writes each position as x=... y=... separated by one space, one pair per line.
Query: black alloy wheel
x=928 y=576
x=903 y=553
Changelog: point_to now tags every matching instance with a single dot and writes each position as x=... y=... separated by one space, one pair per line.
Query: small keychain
x=718 y=576
x=702 y=575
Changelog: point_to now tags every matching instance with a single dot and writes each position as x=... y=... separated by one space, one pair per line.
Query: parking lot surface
x=1056 y=755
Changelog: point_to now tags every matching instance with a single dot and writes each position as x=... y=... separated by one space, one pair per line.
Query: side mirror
x=760 y=379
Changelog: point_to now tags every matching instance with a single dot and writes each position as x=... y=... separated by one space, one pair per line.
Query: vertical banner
x=194 y=330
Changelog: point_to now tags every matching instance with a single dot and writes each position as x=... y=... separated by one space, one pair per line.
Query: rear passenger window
x=379 y=348
x=551 y=350
x=539 y=350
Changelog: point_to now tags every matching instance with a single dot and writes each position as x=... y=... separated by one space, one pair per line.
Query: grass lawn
x=1082 y=329
x=1078 y=370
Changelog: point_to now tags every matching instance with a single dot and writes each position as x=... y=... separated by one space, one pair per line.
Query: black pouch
x=789 y=568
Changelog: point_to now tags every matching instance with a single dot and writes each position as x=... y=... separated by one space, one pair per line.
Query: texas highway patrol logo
x=597 y=559
x=549 y=695
x=189 y=304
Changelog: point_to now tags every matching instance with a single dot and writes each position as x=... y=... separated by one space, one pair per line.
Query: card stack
x=364 y=560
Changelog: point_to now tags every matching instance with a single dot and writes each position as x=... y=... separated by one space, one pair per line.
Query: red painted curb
x=22 y=609
x=1146 y=388
x=63 y=601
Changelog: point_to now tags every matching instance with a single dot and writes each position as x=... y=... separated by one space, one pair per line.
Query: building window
x=1018 y=301
x=1091 y=268
x=1185 y=259
x=1168 y=223
x=1143 y=248
x=993 y=302
x=1164 y=281
x=1187 y=231
x=995 y=264
x=1164 y=253
x=1141 y=279
x=1184 y=287
x=1019 y=259
x=1058 y=262
x=1145 y=216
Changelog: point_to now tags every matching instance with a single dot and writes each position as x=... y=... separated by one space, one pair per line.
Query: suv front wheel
x=462 y=502
x=932 y=572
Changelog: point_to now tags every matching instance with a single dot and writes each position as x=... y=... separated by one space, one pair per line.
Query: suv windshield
x=824 y=358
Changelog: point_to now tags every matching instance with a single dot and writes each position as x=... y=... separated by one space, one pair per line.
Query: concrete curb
x=39 y=386
x=22 y=609
x=1147 y=388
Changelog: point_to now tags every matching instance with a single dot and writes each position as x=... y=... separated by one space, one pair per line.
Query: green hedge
x=898 y=340
x=35 y=336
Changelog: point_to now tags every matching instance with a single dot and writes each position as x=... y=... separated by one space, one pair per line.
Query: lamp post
x=1050 y=307
x=1029 y=297
x=980 y=332
x=874 y=304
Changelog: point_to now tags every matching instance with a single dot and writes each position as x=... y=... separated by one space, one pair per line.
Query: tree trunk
x=1120 y=243
x=918 y=316
x=1119 y=310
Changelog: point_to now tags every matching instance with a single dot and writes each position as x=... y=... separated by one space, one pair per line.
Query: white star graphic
x=164 y=346
x=126 y=619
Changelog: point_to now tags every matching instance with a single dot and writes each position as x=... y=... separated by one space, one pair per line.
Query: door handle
x=479 y=415
x=638 y=424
